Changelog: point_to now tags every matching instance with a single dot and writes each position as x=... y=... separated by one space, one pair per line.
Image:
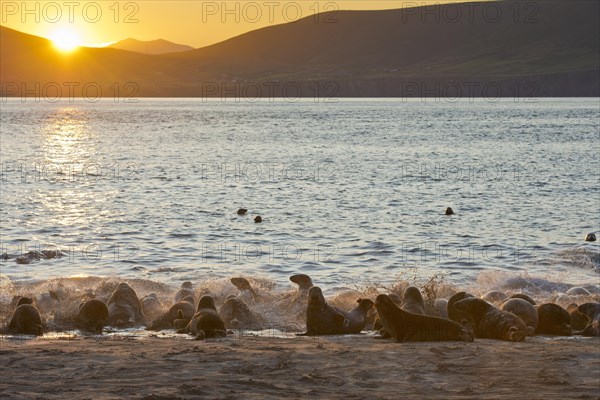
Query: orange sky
x=195 y=23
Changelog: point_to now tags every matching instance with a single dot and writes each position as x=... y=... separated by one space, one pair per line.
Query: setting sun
x=65 y=40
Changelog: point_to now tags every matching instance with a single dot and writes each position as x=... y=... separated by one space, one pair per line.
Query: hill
x=550 y=50
x=158 y=46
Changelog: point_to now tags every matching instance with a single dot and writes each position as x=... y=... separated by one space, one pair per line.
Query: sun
x=65 y=40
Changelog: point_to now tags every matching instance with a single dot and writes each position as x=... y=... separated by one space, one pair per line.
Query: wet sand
x=348 y=367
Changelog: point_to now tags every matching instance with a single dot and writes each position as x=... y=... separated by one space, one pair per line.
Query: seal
x=592 y=311
x=523 y=297
x=459 y=316
x=151 y=306
x=553 y=320
x=578 y=320
x=236 y=314
x=440 y=307
x=405 y=326
x=590 y=237
x=24 y=300
x=26 y=320
x=187 y=289
x=578 y=291
x=93 y=316
x=258 y=219
x=412 y=301
x=492 y=323
x=563 y=300
x=357 y=317
x=449 y=211
x=378 y=326
x=243 y=285
x=181 y=321
x=166 y=321
x=495 y=297
x=124 y=307
x=206 y=323
x=524 y=310
x=242 y=211
x=321 y=318
x=303 y=281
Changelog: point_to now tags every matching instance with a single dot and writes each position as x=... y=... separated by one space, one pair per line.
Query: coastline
x=348 y=367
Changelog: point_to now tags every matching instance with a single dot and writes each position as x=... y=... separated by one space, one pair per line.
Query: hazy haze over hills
x=551 y=50
x=158 y=46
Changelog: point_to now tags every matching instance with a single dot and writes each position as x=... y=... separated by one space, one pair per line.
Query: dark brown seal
x=124 y=307
x=237 y=315
x=578 y=320
x=553 y=320
x=323 y=319
x=458 y=316
x=26 y=320
x=206 y=323
x=412 y=301
x=492 y=323
x=449 y=211
x=93 y=316
x=592 y=311
x=166 y=321
x=405 y=326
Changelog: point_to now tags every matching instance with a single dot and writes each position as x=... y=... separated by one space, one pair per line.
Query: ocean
x=352 y=192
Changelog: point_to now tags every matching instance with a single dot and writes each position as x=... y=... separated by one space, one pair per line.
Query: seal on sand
x=357 y=318
x=460 y=316
x=26 y=320
x=524 y=310
x=491 y=322
x=187 y=289
x=592 y=311
x=523 y=297
x=236 y=314
x=441 y=308
x=206 y=323
x=412 y=301
x=553 y=320
x=405 y=326
x=93 y=315
x=124 y=307
x=578 y=320
x=151 y=306
x=495 y=297
x=321 y=318
x=166 y=321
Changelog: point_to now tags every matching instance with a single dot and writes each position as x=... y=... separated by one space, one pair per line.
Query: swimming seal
x=93 y=316
x=405 y=326
x=592 y=311
x=590 y=237
x=124 y=307
x=242 y=211
x=206 y=323
x=492 y=323
x=524 y=310
x=553 y=320
x=449 y=211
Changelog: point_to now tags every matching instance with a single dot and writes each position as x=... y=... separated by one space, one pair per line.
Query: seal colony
x=398 y=315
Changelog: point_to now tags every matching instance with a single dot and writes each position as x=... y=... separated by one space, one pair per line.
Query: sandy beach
x=337 y=367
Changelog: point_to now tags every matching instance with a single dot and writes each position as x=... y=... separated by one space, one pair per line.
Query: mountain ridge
x=365 y=53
